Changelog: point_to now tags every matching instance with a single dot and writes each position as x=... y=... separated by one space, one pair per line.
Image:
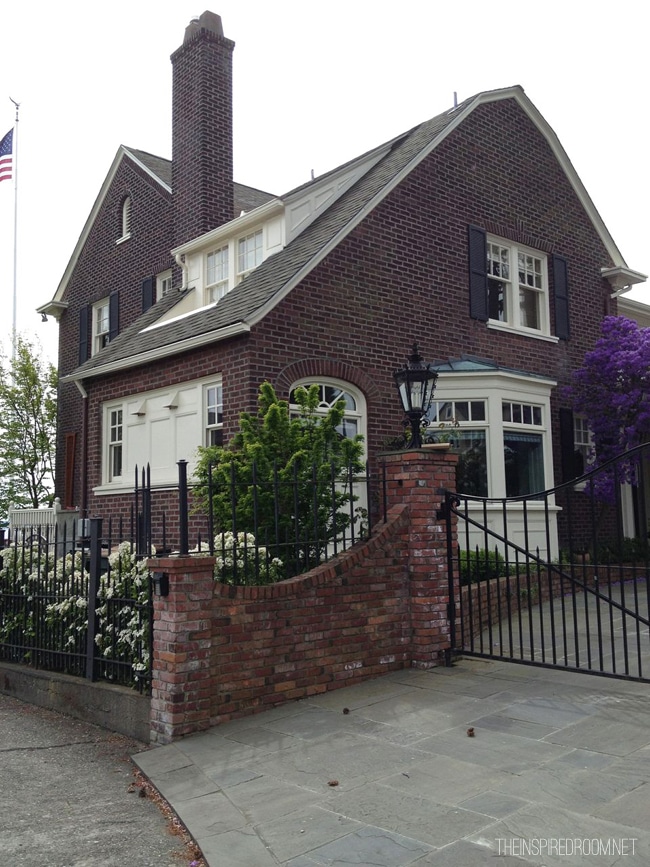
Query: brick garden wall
x=345 y=621
x=223 y=651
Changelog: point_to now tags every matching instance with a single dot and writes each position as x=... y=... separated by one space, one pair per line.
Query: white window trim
x=512 y=324
x=96 y=334
x=163 y=284
x=579 y=446
x=216 y=290
x=127 y=213
x=207 y=427
x=136 y=412
x=240 y=274
x=524 y=332
x=494 y=388
x=113 y=444
x=235 y=276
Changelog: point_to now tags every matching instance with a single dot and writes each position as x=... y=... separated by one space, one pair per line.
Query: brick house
x=470 y=234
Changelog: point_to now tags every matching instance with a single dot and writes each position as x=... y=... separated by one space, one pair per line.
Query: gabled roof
x=247 y=303
x=160 y=170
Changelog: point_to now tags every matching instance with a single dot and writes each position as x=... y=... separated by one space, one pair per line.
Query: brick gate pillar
x=418 y=478
x=181 y=653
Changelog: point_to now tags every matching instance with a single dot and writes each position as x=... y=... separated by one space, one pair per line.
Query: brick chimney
x=202 y=183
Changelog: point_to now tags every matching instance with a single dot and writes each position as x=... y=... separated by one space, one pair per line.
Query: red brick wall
x=103 y=267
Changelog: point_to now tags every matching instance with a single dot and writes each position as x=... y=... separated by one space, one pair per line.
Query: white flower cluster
x=61 y=583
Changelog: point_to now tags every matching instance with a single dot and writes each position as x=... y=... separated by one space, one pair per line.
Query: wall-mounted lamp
x=160 y=583
x=43 y=317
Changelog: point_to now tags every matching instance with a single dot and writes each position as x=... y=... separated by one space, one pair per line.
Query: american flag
x=6 y=159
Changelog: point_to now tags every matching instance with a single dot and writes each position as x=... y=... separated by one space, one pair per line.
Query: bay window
x=499 y=424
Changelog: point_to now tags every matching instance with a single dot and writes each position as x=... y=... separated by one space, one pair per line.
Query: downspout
x=84 y=449
x=180 y=261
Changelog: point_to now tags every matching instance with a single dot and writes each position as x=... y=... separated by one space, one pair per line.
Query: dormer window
x=217 y=274
x=125 y=220
x=249 y=254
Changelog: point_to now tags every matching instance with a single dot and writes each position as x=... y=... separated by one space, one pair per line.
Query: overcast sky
x=315 y=85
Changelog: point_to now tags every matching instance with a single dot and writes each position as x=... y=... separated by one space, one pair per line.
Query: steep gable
x=268 y=284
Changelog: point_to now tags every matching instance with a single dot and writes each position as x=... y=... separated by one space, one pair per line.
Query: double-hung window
x=583 y=442
x=101 y=325
x=517 y=282
x=213 y=398
x=217 y=275
x=115 y=444
x=249 y=253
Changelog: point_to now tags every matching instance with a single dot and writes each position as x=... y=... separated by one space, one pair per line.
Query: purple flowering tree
x=612 y=390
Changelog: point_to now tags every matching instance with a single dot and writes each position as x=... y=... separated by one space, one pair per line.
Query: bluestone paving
x=385 y=774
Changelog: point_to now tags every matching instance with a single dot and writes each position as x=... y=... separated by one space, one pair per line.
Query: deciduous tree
x=612 y=391
x=27 y=427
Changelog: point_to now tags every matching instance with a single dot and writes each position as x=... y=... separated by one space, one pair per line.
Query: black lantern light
x=161 y=583
x=416 y=383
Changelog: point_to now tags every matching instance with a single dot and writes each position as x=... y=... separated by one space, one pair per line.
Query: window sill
x=127 y=488
x=123 y=238
x=522 y=332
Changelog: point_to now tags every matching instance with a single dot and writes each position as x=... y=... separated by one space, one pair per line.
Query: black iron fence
x=264 y=527
x=51 y=579
x=76 y=598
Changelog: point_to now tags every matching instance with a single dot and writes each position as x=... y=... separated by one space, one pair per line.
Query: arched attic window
x=125 y=219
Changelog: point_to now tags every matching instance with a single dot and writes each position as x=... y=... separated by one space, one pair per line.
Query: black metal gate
x=559 y=578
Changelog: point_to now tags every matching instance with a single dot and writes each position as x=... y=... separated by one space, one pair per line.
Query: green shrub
x=480 y=565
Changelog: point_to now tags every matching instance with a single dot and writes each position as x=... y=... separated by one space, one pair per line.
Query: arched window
x=126 y=219
x=331 y=391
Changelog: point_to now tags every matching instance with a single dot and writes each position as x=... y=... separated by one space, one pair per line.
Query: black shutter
x=561 y=289
x=478 y=287
x=84 y=315
x=113 y=315
x=572 y=460
x=148 y=293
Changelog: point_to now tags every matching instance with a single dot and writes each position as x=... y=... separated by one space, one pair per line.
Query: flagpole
x=15 y=173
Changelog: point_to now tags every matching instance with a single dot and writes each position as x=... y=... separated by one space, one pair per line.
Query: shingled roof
x=263 y=288
x=244 y=198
